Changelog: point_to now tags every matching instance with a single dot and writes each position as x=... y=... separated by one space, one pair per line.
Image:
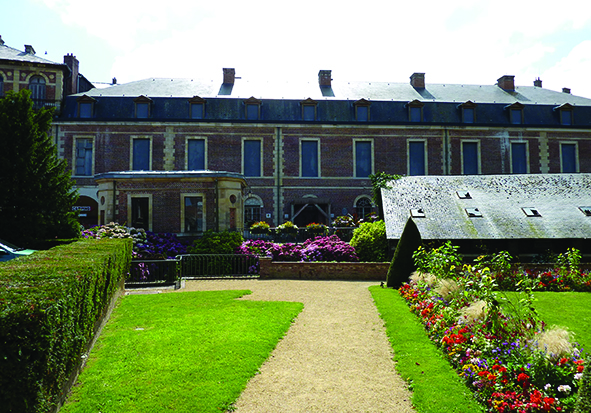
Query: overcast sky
x=452 y=41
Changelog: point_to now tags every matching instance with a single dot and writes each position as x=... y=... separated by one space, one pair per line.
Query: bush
x=216 y=243
x=50 y=303
x=584 y=397
x=403 y=264
x=370 y=243
x=316 y=249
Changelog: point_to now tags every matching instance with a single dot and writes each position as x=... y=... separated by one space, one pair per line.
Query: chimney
x=71 y=82
x=538 y=82
x=507 y=83
x=29 y=49
x=417 y=80
x=325 y=78
x=1 y=41
x=114 y=82
x=565 y=90
x=229 y=76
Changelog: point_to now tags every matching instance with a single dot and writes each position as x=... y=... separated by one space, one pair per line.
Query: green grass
x=566 y=309
x=182 y=352
x=436 y=387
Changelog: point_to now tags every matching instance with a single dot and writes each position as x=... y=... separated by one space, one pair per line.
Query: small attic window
x=473 y=212
x=586 y=210
x=464 y=195
x=531 y=212
x=417 y=213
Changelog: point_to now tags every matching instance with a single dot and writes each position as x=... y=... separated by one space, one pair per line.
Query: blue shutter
x=362 y=159
x=196 y=161
x=141 y=155
x=252 y=158
x=416 y=153
x=519 y=158
x=470 y=153
x=309 y=158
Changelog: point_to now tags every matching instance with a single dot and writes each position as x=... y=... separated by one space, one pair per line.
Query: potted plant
x=287 y=228
x=260 y=227
x=316 y=229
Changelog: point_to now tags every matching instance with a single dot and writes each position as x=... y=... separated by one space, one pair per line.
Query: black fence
x=145 y=273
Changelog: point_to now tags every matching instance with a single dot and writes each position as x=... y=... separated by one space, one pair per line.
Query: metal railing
x=153 y=272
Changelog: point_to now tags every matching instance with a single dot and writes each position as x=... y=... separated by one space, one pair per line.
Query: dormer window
x=565 y=112
x=362 y=110
x=86 y=106
x=415 y=111
x=252 y=108
x=142 y=107
x=515 y=111
x=309 y=109
x=468 y=112
x=197 y=107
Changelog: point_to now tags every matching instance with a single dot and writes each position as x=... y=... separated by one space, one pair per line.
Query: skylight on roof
x=531 y=212
x=464 y=195
x=586 y=210
x=417 y=213
x=473 y=212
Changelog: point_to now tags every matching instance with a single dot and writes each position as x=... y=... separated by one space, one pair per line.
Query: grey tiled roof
x=499 y=199
x=8 y=53
x=340 y=90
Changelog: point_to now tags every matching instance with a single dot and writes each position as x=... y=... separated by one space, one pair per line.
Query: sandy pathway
x=335 y=357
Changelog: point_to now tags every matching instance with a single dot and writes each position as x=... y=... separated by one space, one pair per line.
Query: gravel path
x=335 y=357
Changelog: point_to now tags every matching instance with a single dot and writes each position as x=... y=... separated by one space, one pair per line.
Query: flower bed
x=501 y=349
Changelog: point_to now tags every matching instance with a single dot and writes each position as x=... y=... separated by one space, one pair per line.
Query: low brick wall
x=355 y=271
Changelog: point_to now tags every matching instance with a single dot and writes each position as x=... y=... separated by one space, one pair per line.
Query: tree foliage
x=370 y=243
x=37 y=193
x=380 y=180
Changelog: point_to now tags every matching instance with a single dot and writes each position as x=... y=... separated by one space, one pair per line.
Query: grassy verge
x=566 y=309
x=436 y=387
x=184 y=352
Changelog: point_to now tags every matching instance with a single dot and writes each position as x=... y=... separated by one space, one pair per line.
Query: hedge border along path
x=336 y=357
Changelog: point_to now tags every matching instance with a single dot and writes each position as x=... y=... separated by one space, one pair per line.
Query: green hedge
x=50 y=303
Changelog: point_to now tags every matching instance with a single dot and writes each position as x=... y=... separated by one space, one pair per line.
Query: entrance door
x=140 y=213
x=310 y=213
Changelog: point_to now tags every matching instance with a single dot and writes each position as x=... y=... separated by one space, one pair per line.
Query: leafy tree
x=36 y=192
x=212 y=242
x=403 y=264
x=378 y=181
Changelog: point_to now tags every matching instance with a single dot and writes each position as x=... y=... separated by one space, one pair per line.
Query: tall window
x=37 y=88
x=519 y=157
x=141 y=154
x=193 y=214
x=309 y=158
x=470 y=158
x=568 y=157
x=197 y=110
x=140 y=213
x=362 y=110
x=362 y=159
x=415 y=111
x=363 y=207
x=196 y=154
x=83 y=157
x=1 y=86
x=309 y=112
x=416 y=158
x=468 y=112
x=253 y=208
x=516 y=116
x=251 y=157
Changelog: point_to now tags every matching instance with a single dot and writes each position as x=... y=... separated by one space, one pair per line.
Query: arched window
x=363 y=207
x=37 y=88
x=253 y=207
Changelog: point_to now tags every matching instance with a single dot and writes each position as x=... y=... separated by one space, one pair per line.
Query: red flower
x=522 y=377
x=580 y=368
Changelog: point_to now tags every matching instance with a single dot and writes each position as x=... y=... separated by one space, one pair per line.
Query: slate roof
x=340 y=90
x=8 y=53
x=499 y=200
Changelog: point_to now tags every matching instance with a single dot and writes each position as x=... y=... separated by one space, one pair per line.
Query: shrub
x=441 y=262
x=402 y=263
x=260 y=227
x=584 y=397
x=316 y=249
x=216 y=243
x=370 y=243
x=50 y=303
x=287 y=228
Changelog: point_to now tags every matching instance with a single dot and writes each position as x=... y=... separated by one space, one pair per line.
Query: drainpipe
x=278 y=171
x=217 y=207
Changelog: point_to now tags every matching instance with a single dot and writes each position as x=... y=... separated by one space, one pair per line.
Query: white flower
x=564 y=388
x=578 y=376
x=547 y=386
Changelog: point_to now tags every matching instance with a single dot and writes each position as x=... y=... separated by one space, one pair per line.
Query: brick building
x=306 y=149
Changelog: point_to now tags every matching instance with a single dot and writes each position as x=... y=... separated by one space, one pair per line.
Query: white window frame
x=150 y=208
x=577 y=170
x=408 y=141
x=242 y=155
x=187 y=139
x=134 y=137
x=478 y=155
x=319 y=157
x=526 y=155
x=184 y=195
x=355 y=140
x=80 y=137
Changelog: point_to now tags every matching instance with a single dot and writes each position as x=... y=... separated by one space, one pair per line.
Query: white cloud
x=572 y=71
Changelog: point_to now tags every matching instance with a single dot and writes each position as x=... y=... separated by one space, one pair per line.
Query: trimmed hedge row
x=50 y=303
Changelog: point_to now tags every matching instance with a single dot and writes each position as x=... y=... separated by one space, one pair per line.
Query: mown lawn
x=182 y=352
